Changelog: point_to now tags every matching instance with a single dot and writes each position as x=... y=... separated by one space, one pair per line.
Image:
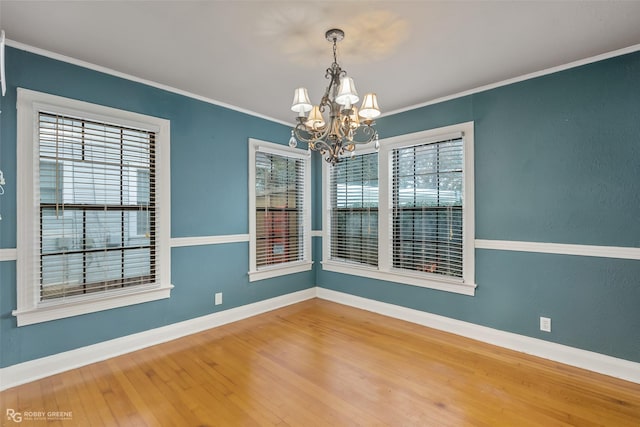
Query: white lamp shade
x=301 y=103
x=369 y=108
x=347 y=92
x=315 y=120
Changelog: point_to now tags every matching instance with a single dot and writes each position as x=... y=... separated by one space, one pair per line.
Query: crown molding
x=105 y=70
x=529 y=76
x=99 y=68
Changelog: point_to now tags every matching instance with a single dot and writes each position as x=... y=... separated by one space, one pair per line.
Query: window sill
x=396 y=276
x=279 y=270
x=75 y=306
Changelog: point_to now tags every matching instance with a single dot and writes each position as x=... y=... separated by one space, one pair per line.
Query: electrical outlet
x=218 y=299
x=545 y=324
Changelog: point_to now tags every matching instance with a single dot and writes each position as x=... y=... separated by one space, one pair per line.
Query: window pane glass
x=103 y=266
x=61 y=230
x=103 y=229
x=138 y=225
x=51 y=181
x=97 y=206
x=61 y=275
x=427 y=213
x=354 y=210
x=279 y=217
x=136 y=262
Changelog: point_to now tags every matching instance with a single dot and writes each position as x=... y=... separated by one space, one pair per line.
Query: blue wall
x=209 y=149
x=557 y=160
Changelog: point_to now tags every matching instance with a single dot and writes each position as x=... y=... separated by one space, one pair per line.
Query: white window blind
x=97 y=206
x=427 y=198
x=354 y=210
x=279 y=204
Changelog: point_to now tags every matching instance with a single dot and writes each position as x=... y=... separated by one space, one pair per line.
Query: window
x=354 y=210
x=95 y=213
x=279 y=215
x=427 y=207
x=423 y=211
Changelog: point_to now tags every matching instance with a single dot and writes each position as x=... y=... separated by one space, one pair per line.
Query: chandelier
x=347 y=127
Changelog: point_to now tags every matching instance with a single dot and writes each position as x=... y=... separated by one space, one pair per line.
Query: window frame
x=305 y=264
x=385 y=271
x=30 y=308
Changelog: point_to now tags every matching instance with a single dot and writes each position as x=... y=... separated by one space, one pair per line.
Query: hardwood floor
x=319 y=363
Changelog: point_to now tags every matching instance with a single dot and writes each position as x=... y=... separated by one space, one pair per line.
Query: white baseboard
x=607 y=365
x=32 y=370
x=596 y=362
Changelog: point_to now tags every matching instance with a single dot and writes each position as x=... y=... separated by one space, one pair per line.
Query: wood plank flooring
x=318 y=363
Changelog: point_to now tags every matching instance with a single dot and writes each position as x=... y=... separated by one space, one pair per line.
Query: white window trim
x=29 y=309
x=267 y=272
x=385 y=271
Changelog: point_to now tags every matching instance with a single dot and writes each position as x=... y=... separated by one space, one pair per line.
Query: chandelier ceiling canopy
x=335 y=126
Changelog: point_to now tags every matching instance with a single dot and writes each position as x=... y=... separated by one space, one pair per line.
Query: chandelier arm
x=325 y=98
x=301 y=130
x=325 y=102
x=333 y=73
x=321 y=145
x=335 y=153
x=368 y=132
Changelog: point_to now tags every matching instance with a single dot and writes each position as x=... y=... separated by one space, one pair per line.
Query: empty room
x=319 y=213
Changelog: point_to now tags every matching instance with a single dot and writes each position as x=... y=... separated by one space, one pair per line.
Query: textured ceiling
x=252 y=54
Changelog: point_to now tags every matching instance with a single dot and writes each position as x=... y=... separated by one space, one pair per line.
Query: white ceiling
x=252 y=54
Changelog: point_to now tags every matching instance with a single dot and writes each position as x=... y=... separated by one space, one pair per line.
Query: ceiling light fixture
x=347 y=127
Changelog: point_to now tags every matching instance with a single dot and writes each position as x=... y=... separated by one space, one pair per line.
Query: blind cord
x=56 y=170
